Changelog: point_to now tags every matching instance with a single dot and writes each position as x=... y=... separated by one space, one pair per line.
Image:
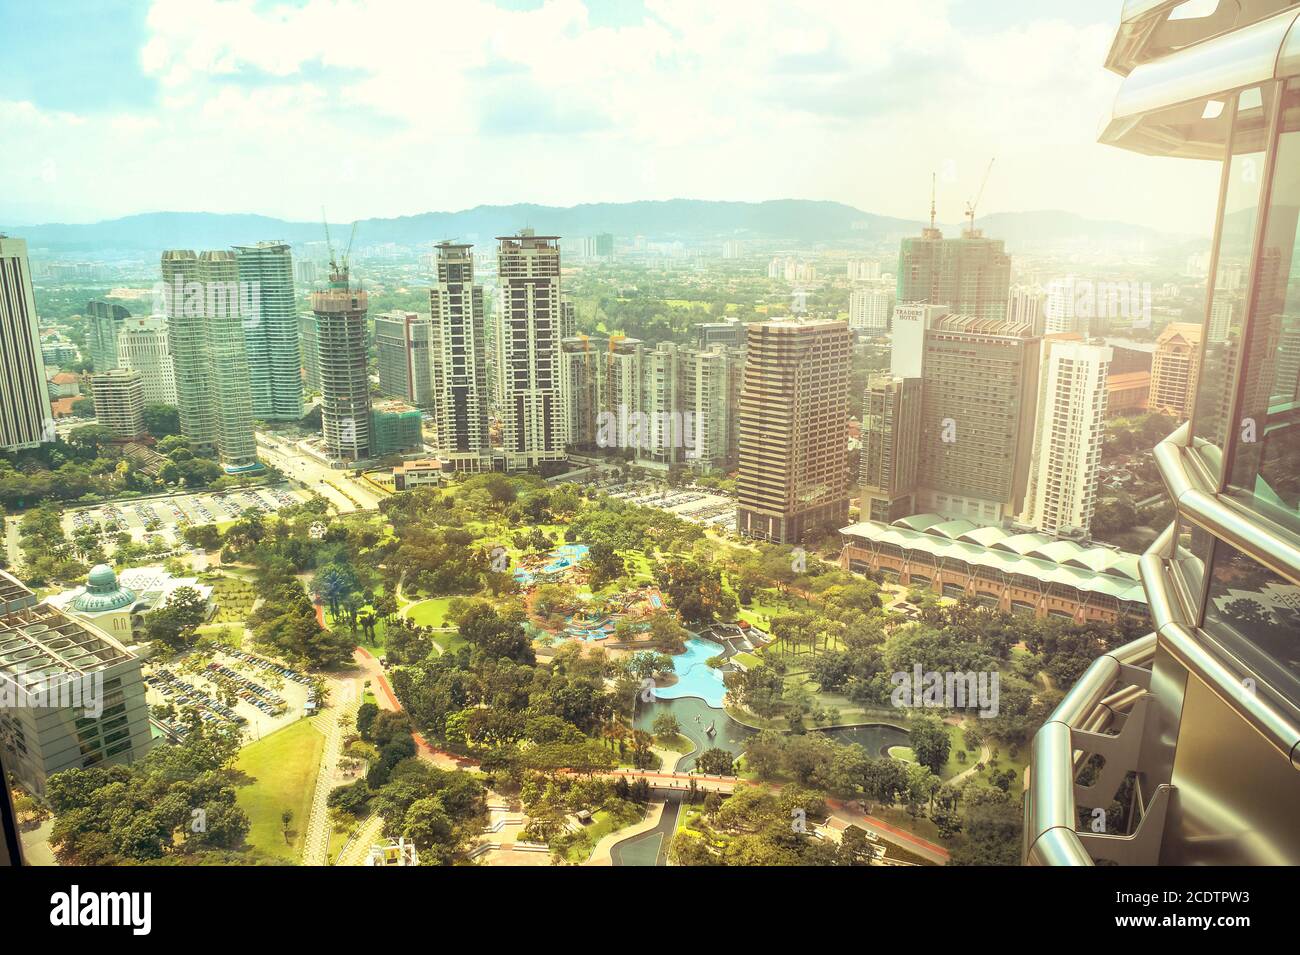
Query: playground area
x=560 y=564
x=601 y=619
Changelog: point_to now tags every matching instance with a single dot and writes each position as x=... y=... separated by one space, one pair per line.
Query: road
x=334 y=484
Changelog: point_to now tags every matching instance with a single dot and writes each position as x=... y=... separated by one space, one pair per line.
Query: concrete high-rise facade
x=404 y=357
x=890 y=459
x=341 y=338
x=1176 y=369
x=794 y=409
x=459 y=360
x=1067 y=440
x=980 y=397
x=188 y=342
x=119 y=402
x=871 y=307
x=530 y=325
x=274 y=354
x=227 y=353
x=104 y=322
x=205 y=306
x=143 y=345
x=1026 y=304
x=971 y=275
x=26 y=419
x=580 y=367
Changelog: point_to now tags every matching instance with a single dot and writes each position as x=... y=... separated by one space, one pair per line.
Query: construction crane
x=347 y=254
x=971 y=205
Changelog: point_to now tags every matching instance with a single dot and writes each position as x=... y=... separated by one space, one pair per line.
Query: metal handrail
x=1102 y=693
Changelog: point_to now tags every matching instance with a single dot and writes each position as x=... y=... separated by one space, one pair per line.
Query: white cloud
x=387 y=108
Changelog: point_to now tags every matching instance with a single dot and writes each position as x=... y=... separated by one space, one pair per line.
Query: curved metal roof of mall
x=1048 y=560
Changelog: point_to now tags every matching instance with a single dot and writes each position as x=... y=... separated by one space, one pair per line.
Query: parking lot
x=168 y=515
x=697 y=505
x=243 y=689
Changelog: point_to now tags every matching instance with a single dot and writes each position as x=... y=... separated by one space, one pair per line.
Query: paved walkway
x=334 y=723
x=601 y=854
x=387 y=700
x=367 y=835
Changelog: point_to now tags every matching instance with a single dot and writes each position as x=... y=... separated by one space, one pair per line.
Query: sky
x=388 y=107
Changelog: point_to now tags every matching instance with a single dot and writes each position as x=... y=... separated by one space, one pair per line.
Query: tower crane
x=972 y=204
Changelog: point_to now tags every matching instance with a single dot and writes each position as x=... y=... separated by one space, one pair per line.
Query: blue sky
x=391 y=107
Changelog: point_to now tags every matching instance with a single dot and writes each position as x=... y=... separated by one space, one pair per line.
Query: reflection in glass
x=1265 y=467
x=1227 y=306
x=1191 y=556
x=1255 y=614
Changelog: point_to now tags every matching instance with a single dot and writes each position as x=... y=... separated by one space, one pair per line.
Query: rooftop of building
x=975 y=325
x=42 y=641
x=418 y=464
x=1046 y=559
x=394 y=406
x=1186 y=330
x=11 y=588
x=102 y=592
x=138 y=589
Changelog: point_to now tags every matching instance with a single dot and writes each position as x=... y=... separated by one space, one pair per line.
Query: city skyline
x=603 y=95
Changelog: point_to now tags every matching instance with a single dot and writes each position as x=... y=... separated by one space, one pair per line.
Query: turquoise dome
x=103 y=593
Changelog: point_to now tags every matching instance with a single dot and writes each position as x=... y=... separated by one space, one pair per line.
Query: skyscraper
x=1175 y=369
x=310 y=371
x=271 y=331
x=889 y=464
x=971 y=274
x=793 y=444
x=103 y=325
x=25 y=416
x=119 y=402
x=341 y=335
x=977 y=423
x=403 y=355
x=580 y=367
x=205 y=304
x=459 y=351
x=187 y=338
x=529 y=329
x=1067 y=440
x=143 y=346
x=871 y=306
x=224 y=310
x=1026 y=304
x=1203 y=715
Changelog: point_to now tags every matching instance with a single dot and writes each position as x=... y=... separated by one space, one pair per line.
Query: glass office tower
x=1191 y=735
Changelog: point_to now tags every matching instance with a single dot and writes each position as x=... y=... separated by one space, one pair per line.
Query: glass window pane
x=1255 y=615
x=1265 y=470
x=1223 y=328
x=1192 y=547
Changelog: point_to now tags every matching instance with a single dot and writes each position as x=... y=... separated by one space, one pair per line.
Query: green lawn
x=282 y=772
x=430 y=613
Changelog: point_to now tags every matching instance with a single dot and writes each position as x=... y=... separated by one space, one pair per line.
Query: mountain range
x=797 y=220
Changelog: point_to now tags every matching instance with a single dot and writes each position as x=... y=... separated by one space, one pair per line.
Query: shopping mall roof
x=1046 y=559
